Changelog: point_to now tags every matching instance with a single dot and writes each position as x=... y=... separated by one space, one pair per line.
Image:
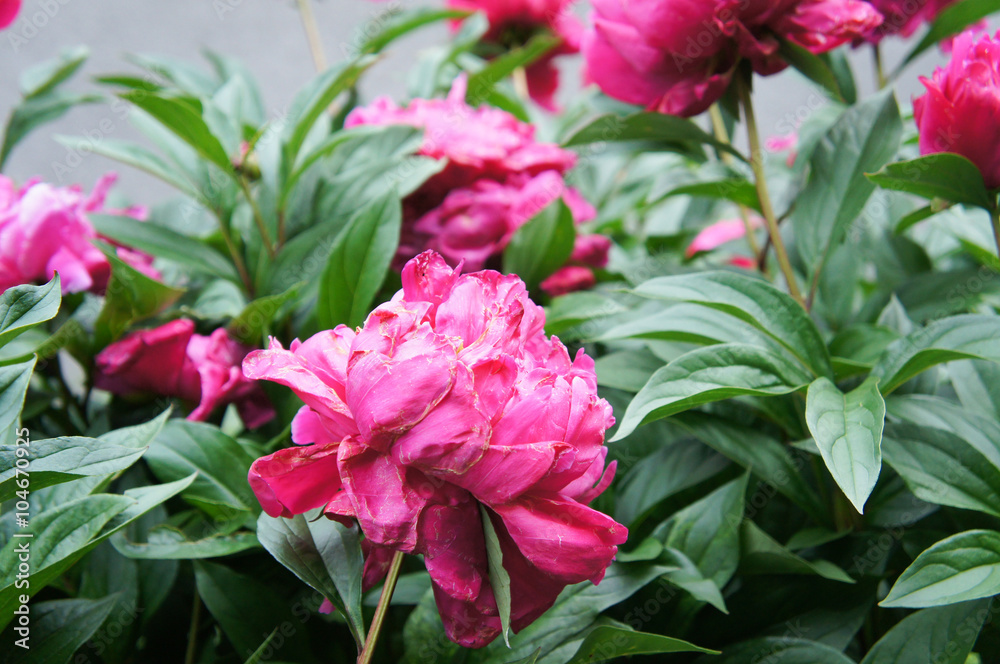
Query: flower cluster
x=450 y=397
x=173 y=361
x=514 y=22
x=45 y=229
x=497 y=177
x=679 y=56
x=959 y=111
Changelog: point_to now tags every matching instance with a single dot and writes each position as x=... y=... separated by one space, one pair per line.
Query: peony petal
x=296 y=479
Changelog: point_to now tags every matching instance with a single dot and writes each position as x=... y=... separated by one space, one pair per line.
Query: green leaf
x=708 y=531
x=165 y=243
x=664 y=131
x=689 y=578
x=169 y=543
x=956 y=569
x=402 y=23
x=65 y=533
x=848 y=431
x=131 y=296
x=712 y=374
x=913 y=218
x=181 y=118
x=943 y=635
x=925 y=410
x=570 y=310
x=542 y=245
x=779 y=650
x=955 y=338
x=758 y=452
x=864 y=138
x=977 y=384
x=246 y=609
x=253 y=324
x=33 y=113
x=944 y=175
x=24 y=307
x=358 y=264
x=46 y=76
x=753 y=301
x=221 y=488
x=324 y=554
x=812 y=67
x=315 y=98
x=58 y=460
x=942 y=468
x=738 y=191
x=499 y=579
x=762 y=554
x=951 y=21
x=14 y=379
x=606 y=643
x=58 y=629
x=482 y=82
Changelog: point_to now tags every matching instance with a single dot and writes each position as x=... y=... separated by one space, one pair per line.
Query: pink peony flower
x=715 y=235
x=959 y=111
x=44 y=230
x=568 y=279
x=678 y=56
x=173 y=361
x=497 y=177
x=903 y=17
x=947 y=45
x=8 y=12
x=514 y=22
x=450 y=397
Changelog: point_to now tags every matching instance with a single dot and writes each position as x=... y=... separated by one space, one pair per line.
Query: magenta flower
x=450 y=397
x=959 y=111
x=8 y=12
x=45 y=229
x=903 y=17
x=496 y=178
x=514 y=22
x=173 y=361
x=678 y=56
x=715 y=235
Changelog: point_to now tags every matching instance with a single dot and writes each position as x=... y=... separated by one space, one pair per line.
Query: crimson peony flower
x=173 y=361
x=959 y=111
x=450 y=397
x=514 y=22
x=44 y=230
x=8 y=12
x=903 y=17
x=496 y=178
x=678 y=56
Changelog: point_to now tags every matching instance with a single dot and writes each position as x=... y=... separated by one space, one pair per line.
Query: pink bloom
x=947 y=44
x=678 y=56
x=514 y=22
x=173 y=361
x=715 y=235
x=591 y=250
x=903 y=17
x=497 y=177
x=45 y=229
x=8 y=12
x=744 y=262
x=568 y=279
x=959 y=111
x=450 y=397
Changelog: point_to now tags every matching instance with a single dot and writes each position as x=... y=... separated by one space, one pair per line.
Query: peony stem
x=995 y=218
x=258 y=218
x=880 y=78
x=192 y=644
x=312 y=34
x=383 y=606
x=241 y=267
x=719 y=127
x=757 y=164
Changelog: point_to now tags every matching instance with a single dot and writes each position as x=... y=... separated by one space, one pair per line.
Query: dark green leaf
x=762 y=554
x=779 y=650
x=542 y=245
x=943 y=635
x=813 y=67
x=848 y=431
x=482 y=82
x=402 y=23
x=712 y=374
x=324 y=554
x=689 y=578
x=253 y=324
x=358 y=264
x=741 y=192
x=499 y=578
x=607 y=642
x=23 y=307
x=58 y=628
x=944 y=175
x=958 y=568
x=666 y=132
x=168 y=543
x=914 y=218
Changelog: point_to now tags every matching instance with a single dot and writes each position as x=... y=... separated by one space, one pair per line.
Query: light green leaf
x=958 y=568
x=499 y=579
x=44 y=77
x=943 y=635
x=253 y=324
x=23 y=307
x=944 y=175
x=59 y=628
x=168 y=543
x=542 y=245
x=952 y=20
x=607 y=642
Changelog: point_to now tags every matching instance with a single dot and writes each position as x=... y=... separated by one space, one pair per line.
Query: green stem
x=757 y=164
x=312 y=34
x=719 y=128
x=265 y=235
x=192 y=643
x=383 y=606
x=995 y=218
x=880 y=78
x=241 y=267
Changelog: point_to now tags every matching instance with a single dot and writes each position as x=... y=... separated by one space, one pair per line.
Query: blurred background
x=268 y=36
